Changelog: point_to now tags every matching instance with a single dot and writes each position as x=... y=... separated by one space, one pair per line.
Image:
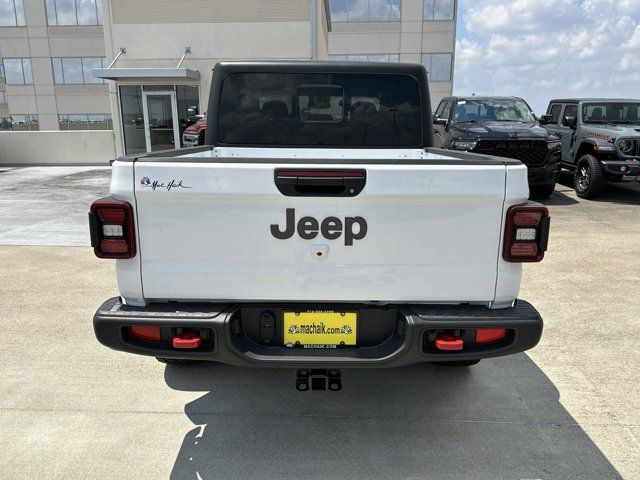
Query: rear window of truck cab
x=611 y=112
x=320 y=109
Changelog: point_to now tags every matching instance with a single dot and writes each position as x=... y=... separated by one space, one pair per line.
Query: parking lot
x=71 y=408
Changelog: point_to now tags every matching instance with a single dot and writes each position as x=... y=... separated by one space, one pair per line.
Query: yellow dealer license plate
x=320 y=329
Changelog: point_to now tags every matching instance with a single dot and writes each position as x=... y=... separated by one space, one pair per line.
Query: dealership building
x=84 y=81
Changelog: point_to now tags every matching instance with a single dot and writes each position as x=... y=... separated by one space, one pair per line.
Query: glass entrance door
x=160 y=121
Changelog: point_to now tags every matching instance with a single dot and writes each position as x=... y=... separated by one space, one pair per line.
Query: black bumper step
x=401 y=335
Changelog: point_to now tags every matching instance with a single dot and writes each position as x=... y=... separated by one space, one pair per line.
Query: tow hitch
x=187 y=339
x=318 y=379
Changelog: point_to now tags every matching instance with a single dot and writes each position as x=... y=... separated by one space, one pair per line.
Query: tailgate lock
x=319 y=252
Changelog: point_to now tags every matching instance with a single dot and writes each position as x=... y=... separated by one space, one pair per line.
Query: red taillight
x=115 y=215
x=114 y=246
x=146 y=332
x=486 y=335
x=524 y=249
x=527 y=219
x=321 y=173
x=526 y=233
x=112 y=232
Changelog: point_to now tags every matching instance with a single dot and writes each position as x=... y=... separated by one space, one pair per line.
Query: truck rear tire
x=177 y=361
x=542 y=191
x=457 y=363
x=589 y=181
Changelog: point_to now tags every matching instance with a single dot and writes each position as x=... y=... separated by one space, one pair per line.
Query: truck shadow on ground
x=624 y=193
x=559 y=197
x=499 y=419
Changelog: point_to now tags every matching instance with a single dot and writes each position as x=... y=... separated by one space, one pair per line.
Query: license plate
x=320 y=329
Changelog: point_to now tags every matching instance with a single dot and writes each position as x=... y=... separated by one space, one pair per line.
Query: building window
x=438 y=65
x=85 y=122
x=12 y=13
x=439 y=10
x=76 y=71
x=385 y=57
x=18 y=71
x=364 y=10
x=24 y=123
x=188 y=102
x=132 y=119
x=74 y=12
x=3 y=97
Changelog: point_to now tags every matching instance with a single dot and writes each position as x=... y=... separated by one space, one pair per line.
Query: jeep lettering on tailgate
x=331 y=228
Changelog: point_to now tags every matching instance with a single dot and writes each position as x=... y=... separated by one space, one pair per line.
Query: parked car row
x=597 y=139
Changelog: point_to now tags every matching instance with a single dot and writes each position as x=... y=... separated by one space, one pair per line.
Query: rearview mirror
x=569 y=121
x=546 y=119
x=439 y=121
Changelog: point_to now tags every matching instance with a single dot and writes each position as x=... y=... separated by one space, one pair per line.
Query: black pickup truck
x=504 y=127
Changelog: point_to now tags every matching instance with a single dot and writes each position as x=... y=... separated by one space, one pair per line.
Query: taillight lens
x=146 y=332
x=111 y=214
x=112 y=232
x=527 y=219
x=526 y=233
x=487 y=335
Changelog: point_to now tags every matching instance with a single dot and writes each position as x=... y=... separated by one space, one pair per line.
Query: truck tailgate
x=433 y=233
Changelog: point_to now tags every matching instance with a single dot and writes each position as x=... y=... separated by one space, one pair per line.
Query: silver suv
x=600 y=140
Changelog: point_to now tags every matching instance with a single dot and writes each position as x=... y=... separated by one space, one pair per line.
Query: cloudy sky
x=539 y=49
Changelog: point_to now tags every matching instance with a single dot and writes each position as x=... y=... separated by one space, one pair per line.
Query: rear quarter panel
x=509 y=274
x=127 y=271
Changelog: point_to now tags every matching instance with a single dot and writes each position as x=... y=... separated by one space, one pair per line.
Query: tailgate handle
x=320 y=183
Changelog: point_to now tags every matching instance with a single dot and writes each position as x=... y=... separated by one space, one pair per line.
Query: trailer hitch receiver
x=318 y=379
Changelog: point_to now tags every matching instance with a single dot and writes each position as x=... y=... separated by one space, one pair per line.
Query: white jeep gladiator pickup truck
x=318 y=229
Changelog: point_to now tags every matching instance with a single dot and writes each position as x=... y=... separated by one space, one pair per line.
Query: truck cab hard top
x=501 y=126
x=600 y=140
x=317 y=228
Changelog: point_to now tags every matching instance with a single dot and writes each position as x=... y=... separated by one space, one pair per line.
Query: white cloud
x=539 y=49
x=517 y=15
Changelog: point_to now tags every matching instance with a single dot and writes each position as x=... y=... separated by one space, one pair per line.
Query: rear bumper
x=407 y=341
